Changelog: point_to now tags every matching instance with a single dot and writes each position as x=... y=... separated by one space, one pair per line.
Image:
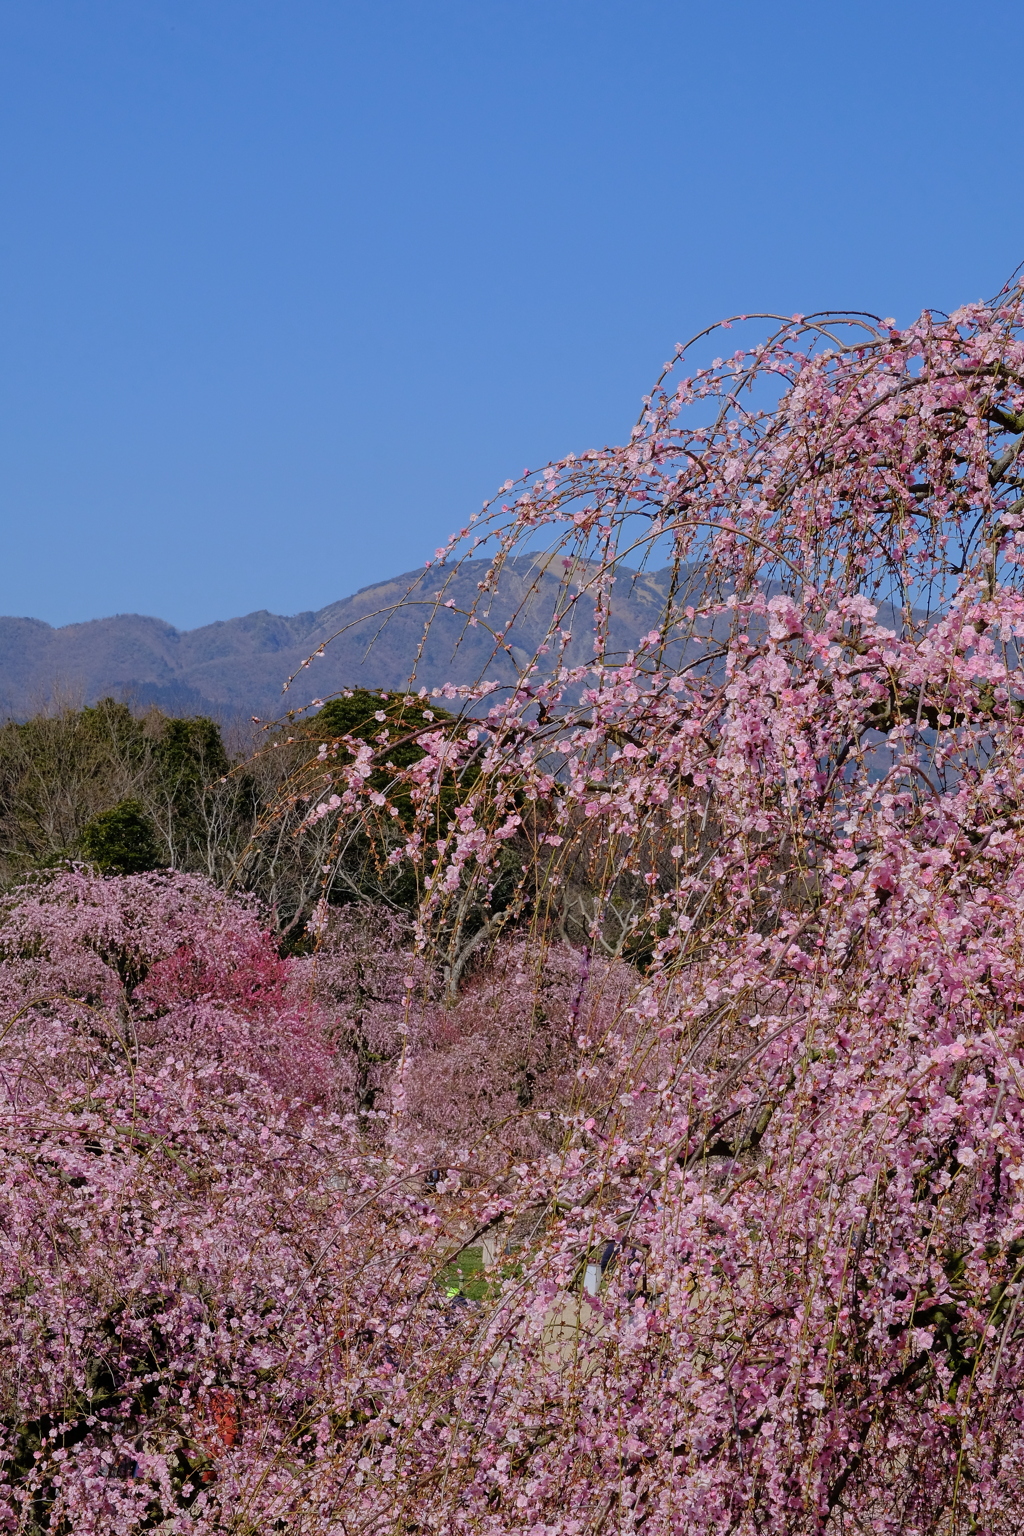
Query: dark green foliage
x=122 y=841
x=200 y=810
x=361 y=855
x=355 y=714
x=58 y=771
x=61 y=772
x=189 y=754
x=359 y=852
x=341 y=859
x=133 y=791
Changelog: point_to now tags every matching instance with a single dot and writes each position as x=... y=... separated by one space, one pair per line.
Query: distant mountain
x=237 y=667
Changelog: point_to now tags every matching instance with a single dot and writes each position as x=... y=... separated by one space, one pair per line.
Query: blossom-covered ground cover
x=662 y=1172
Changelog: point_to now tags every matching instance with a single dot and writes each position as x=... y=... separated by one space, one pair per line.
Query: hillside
x=238 y=666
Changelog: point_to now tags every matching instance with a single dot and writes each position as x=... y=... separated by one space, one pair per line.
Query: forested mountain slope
x=238 y=666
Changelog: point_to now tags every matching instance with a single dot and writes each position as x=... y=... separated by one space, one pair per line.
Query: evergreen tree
x=122 y=841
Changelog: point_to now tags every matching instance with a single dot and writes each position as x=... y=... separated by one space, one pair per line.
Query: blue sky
x=287 y=287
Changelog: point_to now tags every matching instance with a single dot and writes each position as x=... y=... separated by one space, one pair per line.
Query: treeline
x=127 y=791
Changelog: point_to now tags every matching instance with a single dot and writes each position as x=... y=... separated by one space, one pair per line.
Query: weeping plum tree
x=751 y=1243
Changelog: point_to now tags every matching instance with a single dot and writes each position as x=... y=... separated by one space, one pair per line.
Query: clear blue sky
x=288 y=286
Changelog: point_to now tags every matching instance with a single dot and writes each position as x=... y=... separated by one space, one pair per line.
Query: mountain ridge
x=237 y=667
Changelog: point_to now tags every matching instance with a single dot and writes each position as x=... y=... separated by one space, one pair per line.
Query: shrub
x=121 y=841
